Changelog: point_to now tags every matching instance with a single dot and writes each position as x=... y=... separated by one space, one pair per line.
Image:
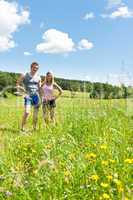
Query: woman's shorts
x=49 y=103
x=32 y=100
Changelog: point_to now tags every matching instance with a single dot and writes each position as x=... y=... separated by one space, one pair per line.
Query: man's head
x=34 y=67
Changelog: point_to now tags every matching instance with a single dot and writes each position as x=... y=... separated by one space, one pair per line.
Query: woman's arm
x=59 y=89
x=41 y=88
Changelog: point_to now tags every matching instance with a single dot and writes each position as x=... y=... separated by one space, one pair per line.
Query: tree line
x=96 y=90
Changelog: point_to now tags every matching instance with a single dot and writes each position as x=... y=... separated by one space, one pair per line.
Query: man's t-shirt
x=31 y=83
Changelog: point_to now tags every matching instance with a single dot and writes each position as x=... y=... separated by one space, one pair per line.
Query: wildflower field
x=87 y=155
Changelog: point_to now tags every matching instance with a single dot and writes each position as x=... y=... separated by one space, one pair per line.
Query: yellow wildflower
x=112 y=161
x=105 y=162
x=109 y=177
x=119 y=185
x=128 y=161
x=94 y=177
x=105 y=196
x=118 y=182
x=90 y=156
x=104 y=185
x=120 y=189
x=103 y=146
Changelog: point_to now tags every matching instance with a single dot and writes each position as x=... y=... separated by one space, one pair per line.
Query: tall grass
x=86 y=156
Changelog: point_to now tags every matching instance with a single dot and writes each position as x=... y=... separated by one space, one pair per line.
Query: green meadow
x=87 y=155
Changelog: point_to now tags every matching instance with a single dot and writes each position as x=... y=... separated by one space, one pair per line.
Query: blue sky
x=88 y=40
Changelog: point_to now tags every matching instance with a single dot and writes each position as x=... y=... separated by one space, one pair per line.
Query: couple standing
x=37 y=92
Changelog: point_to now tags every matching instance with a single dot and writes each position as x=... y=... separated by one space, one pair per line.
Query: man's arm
x=19 y=81
x=40 y=89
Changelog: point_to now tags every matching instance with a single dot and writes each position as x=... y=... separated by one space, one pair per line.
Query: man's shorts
x=49 y=103
x=32 y=100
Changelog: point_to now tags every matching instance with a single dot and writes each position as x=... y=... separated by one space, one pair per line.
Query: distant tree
x=107 y=91
x=5 y=80
x=95 y=90
x=124 y=91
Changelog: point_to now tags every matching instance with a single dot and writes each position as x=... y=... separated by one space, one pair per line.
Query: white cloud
x=6 y=43
x=114 y=3
x=11 y=17
x=55 y=42
x=122 y=12
x=26 y=53
x=89 y=16
x=85 y=44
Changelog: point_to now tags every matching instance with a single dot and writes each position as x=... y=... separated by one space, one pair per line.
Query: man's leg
x=35 y=117
x=25 y=116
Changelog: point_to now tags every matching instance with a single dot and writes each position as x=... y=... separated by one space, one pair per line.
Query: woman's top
x=48 y=91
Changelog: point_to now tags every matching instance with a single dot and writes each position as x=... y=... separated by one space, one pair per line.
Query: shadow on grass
x=4 y=129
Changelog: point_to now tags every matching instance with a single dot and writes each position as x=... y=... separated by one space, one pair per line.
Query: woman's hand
x=56 y=97
x=59 y=90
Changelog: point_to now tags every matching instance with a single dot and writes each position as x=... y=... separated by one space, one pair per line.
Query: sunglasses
x=36 y=68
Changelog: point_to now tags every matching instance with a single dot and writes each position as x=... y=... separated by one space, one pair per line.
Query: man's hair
x=34 y=63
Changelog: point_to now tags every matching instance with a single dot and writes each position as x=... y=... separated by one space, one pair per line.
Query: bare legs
x=26 y=115
x=52 y=115
x=24 y=119
x=46 y=112
x=35 y=117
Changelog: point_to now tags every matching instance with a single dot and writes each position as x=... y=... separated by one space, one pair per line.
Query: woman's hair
x=45 y=81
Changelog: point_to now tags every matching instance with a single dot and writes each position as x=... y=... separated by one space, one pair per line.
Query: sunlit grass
x=87 y=155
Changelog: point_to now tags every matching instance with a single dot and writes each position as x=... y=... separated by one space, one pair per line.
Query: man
x=32 y=83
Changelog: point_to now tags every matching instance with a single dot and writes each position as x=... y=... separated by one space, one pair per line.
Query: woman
x=48 y=97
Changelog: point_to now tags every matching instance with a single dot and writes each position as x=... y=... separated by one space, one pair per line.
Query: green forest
x=95 y=90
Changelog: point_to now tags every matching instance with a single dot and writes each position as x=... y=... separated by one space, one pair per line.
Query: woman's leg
x=45 y=113
x=52 y=114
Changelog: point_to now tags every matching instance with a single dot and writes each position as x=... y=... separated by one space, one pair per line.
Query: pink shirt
x=48 y=92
